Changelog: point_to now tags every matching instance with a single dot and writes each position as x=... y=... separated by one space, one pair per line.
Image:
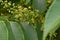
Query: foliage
x=29 y=19
x=52 y=19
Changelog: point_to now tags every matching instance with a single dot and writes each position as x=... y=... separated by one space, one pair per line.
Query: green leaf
x=17 y=31
x=3 y=31
x=30 y=33
x=3 y=18
x=52 y=19
x=10 y=33
x=40 y=5
x=14 y=31
x=39 y=32
x=27 y=1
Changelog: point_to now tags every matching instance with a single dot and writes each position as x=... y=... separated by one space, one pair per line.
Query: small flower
x=19 y=6
x=20 y=14
x=13 y=4
x=49 y=1
x=12 y=12
x=29 y=7
x=9 y=11
x=25 y=9
x=2 y=1
x=9 y=3
x=5 y=1
x=32 y=20
x=16 y=16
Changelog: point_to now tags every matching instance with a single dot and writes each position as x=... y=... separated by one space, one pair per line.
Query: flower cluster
x=19 y=12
